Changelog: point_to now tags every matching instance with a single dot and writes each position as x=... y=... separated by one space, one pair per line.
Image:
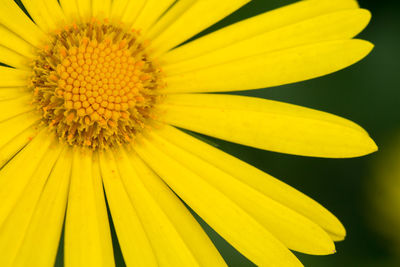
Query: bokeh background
x=367 y=93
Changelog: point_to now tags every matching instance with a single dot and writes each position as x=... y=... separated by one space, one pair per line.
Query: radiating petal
x=13 y=59
x=10 y=77
x=38 y=11
x=258 y=180
x=14 y=42
x=70 y=9
x=14 y=126
x=13 y=146
x=269 y=125
x=13 y=92
x=30 y=158
x=151 y=11
x=169 y=17
x=130 y=12
x=188 y=228
x=272 y=69
x=14 y=107
x=189 y=23
x=268 y=21
x=333 y=26
x=87 y=232
x=292 y=229
x=132 y=238
x=224 y=216
x=118 y=8
x=12 y=17
x=85 y=9
x=26 y=192
x=40 y=245
x=168 y=247
x=101 y=8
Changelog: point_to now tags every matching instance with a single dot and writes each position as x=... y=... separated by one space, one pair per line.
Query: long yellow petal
x=12 y=17
x=40 y=244
x=13 y=59
x=14 y=126
x=13 y=107
x=131 y=12
x=101 y=8
x=70 y=9
x=12 y=93
x=269 y=21
x=132 y=238
x=85 y=9
x=189 y=229
x=292 y=229
x=14 y=42
x=268 y=125
x=10 y=77
x=333 y=26
x=118 y=8
x=38 y=11
x=152 y=10
x=258 y=180
x=13 y=230
x=189 y=23
x=229 y=220
x=168 y=246
x=30 y=158
x=272 y=69
x=169 y=17
x=87 y=232
x=13 y=146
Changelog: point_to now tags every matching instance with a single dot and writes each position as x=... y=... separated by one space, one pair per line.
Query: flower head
x=93 y=95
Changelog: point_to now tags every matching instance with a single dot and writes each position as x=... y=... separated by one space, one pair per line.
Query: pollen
x=95 y=85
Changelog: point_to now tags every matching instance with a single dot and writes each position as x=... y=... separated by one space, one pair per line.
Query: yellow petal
x=40 y=245
x=151 y=11
x=16 y=223
x=14 y=126
x=12 y=93
x=22 y=166
x=131 y=11
x=169 y=17
x=38 y=11
x=333 y=26
x=13 y=107
x=101 y=8
x=10 y=77
x=292 y=229
x=70 y=9
x=169 y=248
x=224 y=216
x=13 y=146
x=268 y=125
x=189 y=24
x=87 y=232
x=13 y=59
x=14 y=42
x=118 y=8
x=269 y=21
x=135 y=245
x=189 y=229
x=12 y=17
x=85 y=9
x=258 y=180
x=272 y=69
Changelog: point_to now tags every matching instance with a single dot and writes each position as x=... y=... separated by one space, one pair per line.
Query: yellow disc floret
x=95 y=85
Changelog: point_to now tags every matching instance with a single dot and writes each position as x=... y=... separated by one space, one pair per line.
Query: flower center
x=95 y=85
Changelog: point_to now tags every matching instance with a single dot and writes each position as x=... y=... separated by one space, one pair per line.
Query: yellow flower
x=90 y=98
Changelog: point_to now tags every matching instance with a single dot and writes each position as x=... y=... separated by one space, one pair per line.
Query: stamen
x=95 y=85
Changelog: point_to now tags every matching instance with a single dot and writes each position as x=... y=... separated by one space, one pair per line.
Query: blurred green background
x=367 y=93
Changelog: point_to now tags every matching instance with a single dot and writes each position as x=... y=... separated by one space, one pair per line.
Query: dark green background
x=367 y=93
